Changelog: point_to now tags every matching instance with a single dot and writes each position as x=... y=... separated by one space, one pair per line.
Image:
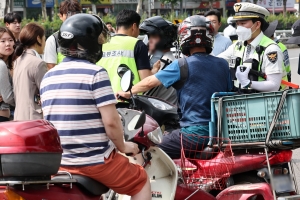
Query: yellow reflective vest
x=119 y=50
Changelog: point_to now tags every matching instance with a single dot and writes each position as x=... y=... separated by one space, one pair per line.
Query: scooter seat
x=92 y=186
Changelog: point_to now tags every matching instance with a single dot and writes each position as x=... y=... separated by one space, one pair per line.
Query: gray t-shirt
x=167 y=94
x=6 y=87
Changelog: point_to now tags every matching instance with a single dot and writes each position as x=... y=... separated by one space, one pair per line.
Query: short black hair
x=127 y=18
x=11 y=17
x=108 y=23
x=201 y=13
x=214 y=12
x=264 y=24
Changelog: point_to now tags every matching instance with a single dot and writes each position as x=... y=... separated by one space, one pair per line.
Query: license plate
x=283 y=184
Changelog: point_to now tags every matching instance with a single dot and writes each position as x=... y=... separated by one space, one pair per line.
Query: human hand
x=242 y=75
x=1 y=99
x=156 y=67
x=130 y=148
x=125 y=95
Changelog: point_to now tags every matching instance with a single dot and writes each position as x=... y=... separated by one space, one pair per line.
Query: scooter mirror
x=126 y=81
x=141 y=121
x=122 y=69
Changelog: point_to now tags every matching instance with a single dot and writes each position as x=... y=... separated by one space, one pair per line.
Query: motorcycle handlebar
x=122 y=98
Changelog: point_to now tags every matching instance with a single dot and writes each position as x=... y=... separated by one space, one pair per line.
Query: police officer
x=230 y=30
x=254 y=50
x=161 y=36
x=269 y=32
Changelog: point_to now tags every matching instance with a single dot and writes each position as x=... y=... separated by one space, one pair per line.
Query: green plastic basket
x=247 y=118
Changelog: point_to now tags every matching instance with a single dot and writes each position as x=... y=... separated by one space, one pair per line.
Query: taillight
x=280 y=157
x=10 y=195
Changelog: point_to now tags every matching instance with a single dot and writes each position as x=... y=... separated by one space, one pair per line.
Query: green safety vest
x=119 y=50
x=265 y=42
x=60 y=57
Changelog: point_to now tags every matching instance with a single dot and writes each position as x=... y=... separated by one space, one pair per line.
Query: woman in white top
x=7 y=42
x=29 y=70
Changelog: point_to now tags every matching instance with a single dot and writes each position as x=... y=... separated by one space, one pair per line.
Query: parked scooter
x=251 y=164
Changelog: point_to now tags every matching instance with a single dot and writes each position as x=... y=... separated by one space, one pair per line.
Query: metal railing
x=284 y=34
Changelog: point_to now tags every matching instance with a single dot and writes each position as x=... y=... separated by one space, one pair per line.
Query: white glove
x=242 y=76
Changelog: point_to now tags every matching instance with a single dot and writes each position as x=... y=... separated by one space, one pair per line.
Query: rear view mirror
x=122 y=69
x=126 y=81
x=141 y=121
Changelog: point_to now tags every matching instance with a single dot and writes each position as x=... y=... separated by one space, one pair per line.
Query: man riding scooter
x=78 y=99
x=161 y=35
x=195 y=78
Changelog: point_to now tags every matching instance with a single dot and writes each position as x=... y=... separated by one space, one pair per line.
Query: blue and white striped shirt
x=71 y=93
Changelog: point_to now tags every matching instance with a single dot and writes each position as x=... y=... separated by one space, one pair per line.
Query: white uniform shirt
x=229 y=30
x=267 y=67
x=50 y=52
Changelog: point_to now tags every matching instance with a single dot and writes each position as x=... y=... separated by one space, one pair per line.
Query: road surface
x=294 y=57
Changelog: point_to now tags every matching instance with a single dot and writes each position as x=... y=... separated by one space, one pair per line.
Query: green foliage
x=284 y=23
x=172 y=2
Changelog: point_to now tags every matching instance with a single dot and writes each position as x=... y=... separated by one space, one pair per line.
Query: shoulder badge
x=272 y=57
x=237 y=7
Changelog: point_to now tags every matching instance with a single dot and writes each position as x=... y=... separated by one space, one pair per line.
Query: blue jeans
x=171 y=144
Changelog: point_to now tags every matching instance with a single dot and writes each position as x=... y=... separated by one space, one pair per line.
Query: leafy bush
x=51 y=26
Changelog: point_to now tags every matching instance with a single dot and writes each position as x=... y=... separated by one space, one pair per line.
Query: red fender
x=182 y=193
x=239 y=192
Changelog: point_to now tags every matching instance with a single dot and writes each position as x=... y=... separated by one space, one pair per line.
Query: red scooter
x=31 y=153
x=250 y=164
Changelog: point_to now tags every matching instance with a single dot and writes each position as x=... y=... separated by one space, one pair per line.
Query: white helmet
x=229 y=20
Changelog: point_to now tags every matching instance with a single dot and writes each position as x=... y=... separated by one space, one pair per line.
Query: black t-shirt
x=140 y=55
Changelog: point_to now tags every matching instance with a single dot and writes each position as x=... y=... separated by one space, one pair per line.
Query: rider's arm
x=142 y=60
x=112 y=125
x=167 y=77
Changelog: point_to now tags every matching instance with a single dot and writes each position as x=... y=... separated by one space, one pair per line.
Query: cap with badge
x=295 y=39
x=247 y=11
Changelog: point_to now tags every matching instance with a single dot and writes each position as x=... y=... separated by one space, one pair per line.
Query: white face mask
x=243 y=33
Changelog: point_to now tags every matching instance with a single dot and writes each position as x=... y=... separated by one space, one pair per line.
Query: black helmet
x=195 y=31
x=158 y=26
x=82 y=36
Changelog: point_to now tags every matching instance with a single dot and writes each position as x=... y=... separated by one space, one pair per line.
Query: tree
x=172 y=2
x=284 y=7
x=139 y=8
x=44 y=10
x=94 y=2
x=6 y=7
